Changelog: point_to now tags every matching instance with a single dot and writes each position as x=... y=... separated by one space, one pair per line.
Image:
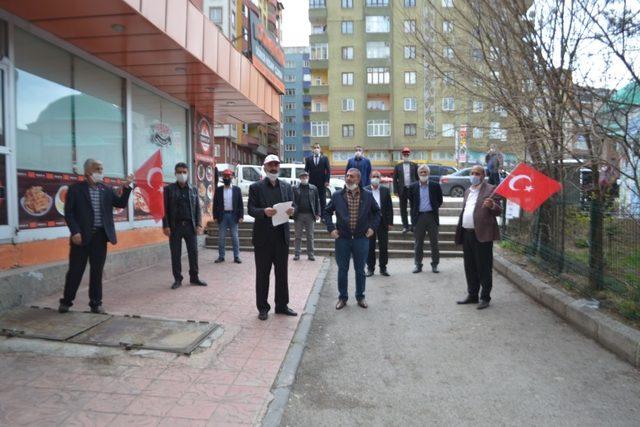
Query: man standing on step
x=360 y=162
x=307 y=212
x=476 y=231
x=357 y=217
x=382 y=195
x=88 y=212
x=228 y=212
x=270 y=243
x=404 y=175
x=319 y=169
x=426 y=199
x=182 y=221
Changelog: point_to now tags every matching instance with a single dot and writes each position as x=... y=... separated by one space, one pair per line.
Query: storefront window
x=67 y=110
x=158 y=123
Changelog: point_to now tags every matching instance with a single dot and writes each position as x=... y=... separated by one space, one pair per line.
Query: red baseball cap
x=227 y=172
x=406 y=150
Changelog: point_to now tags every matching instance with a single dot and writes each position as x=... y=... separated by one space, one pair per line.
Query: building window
x=348 y=104
x=448 y=104
x=495 y=132
x=410 y=104
x=347 y=4
x=410 y=77
x=478 y=133
x=290 y=147
x=215 y=15
x=378 y=75
x=318 y=29
x=289 y=64
x=290 y=78
x=409 y=25
x=476 y=54
x=447 y=130
x=378 y=128
x=447 y=3
x=447 y=27
x=347 y=79
x=290 y=92
x=447 y=52
x=290 y=106
x=320 y=129
x=410 y=129
x=377 y=3
x=347 y=53
x=478 y=106
x=409 y=52
x=289 y=119
x=347 y=27
x=348 y=131
x=499 y=109
x=377 y=105
x=377 y=24
x=290 y=133
x=477 y=82
x=319 y=51
x=448 y=78
x=409 y=3
x=316 y=4
x=378 y=50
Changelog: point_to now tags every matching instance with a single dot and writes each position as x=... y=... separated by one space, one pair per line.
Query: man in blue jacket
x=358 y=215
x=358 y=161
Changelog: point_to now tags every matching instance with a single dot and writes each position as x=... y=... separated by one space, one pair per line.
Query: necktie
x=316 y=158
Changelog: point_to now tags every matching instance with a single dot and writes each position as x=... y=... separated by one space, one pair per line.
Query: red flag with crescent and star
x=150 y=182
x=527 y=187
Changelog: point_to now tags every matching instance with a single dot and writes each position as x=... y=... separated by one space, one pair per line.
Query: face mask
x=358 y=154
x=226 y=181
x=97 y=177
x=475 y=180
x=316 y=151
x=424 y=178
x=304 y=181
x=352 y=187
x=406 y=158
x=181 y=177
x=272 y=176
x=375 y=181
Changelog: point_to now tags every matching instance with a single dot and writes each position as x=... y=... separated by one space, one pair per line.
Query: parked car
x=290 y=172
x=437 y=171
x=454 y=185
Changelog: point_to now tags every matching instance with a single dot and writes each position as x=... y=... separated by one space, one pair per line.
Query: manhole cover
x=34 y=322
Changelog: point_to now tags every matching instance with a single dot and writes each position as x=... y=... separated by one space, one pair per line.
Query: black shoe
x=411 y=229
x=219 y=260
x=469 y=300
x=434 y=268
x=237 y=260
x=176 y=284
x=98 y=309
x=296 y=257
x=263 y=315
x=369 y=273
x=286 y=311
x=405 y=230
x=417 y=269
x=312 y=258
x=198 y=282
x=385 y=273
x=63 y=308
x=483 y=304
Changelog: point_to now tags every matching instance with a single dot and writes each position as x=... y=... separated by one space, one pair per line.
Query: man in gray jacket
x=307 y=202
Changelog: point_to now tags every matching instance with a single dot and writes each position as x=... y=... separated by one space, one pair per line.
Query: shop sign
x=267 y=55
x=161 y=134
x=204 y=135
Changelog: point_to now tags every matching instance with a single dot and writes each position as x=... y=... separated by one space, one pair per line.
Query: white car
x=290 y=172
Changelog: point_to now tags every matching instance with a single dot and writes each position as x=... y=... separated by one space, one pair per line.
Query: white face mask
x=475 y=180
x=316 y=151
x=352 y=187
x=406 y=158
x=375 y=181
x=182 y=177
x=272 y=176
x=424 y=178
x=97 y=177
x=304 y=181
x=358 y=154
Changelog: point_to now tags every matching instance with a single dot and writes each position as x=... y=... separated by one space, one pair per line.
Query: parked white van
x=243 y=175
x=290 y=172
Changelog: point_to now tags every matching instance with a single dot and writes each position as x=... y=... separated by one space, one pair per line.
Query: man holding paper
x=271 y=204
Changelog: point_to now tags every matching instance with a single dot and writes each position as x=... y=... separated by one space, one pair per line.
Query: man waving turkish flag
x=150 y=182
x=527 y=187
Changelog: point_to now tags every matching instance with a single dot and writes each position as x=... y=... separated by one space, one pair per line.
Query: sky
x=295 y=23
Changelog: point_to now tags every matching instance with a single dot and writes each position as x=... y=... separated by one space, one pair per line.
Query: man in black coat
x=426 y=199
x=307 y=212
x=228 y=212
x=88 y=212
x=270 y=244
x=182 y=221
x=319 y=169
x=382 y=195
x=404 y=174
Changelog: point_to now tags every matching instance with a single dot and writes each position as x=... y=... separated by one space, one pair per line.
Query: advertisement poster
x=205 y=179
x=41 y=198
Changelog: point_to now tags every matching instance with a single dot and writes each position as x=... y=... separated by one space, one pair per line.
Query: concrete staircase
x=400 y=245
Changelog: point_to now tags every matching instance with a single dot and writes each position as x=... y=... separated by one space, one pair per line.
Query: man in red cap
x=228 y=212
x=404 y=174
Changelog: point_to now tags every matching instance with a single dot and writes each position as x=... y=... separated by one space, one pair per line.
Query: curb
x=611 y=334
x=281 y=388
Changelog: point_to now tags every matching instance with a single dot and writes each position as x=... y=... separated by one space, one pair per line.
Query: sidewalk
x=50 y=383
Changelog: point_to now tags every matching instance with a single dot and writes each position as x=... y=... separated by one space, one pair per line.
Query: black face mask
x=226 y=181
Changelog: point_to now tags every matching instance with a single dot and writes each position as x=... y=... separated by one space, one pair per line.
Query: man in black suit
x=228 y=212
x=182 y=220
x=307 y=212
x=88 y=212
x=426 y=199
x=404 y=174
x=317 y=165
x=382 y=195
x=270 y=244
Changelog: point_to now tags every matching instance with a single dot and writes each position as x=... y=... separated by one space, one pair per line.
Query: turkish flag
x=150 y=182
x=527 y=187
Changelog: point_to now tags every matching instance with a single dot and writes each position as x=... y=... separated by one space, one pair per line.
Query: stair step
x=393 y=253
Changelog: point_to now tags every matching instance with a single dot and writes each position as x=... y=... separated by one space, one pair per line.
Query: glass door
x=7 y=178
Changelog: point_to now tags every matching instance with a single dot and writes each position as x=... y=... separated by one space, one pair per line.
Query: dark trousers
x=96 y=253
x=403 y=195
x=494 y=178
x=426 y=223
x=184 y=230
x=322 y=192
x=382 y=236
x=275 y=254
x=478 y=263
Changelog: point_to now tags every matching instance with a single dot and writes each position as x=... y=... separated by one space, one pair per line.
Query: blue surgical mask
x=475 y=179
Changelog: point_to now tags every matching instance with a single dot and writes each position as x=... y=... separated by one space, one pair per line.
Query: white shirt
x=228 y=198
x=407 y=173
x=469 y=207
x=376 y=194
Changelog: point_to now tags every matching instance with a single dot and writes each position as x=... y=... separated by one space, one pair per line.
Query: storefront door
x=6 y=158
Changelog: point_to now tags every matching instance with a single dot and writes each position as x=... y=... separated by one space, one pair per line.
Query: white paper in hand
x=281 y=215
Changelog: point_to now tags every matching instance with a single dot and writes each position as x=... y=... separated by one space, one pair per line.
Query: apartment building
x=296 y=105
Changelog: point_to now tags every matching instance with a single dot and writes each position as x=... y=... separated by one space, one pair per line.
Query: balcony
x=306 y=112
x=377 y=89
x=377 y=115
x=319 y=38
x=320 y=115
x=319 y=64
x=316 y=90
x=306 y=99
x=318 y=14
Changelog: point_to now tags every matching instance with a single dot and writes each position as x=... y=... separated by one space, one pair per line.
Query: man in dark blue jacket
x=358 y=215
x=88 y=211
x=426 y=199
x=360 y=162
x=228 y=212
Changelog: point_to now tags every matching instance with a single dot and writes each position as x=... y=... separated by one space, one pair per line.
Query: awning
x=169 y=44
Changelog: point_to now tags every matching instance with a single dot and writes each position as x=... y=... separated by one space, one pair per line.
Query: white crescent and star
x=517 y=178
x=151 y=173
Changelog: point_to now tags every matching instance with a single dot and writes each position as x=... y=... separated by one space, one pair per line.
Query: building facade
x=369 y=87
x=296 y=105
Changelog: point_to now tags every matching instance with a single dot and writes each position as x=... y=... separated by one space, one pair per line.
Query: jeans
x=228 y=221
x=345 y=249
